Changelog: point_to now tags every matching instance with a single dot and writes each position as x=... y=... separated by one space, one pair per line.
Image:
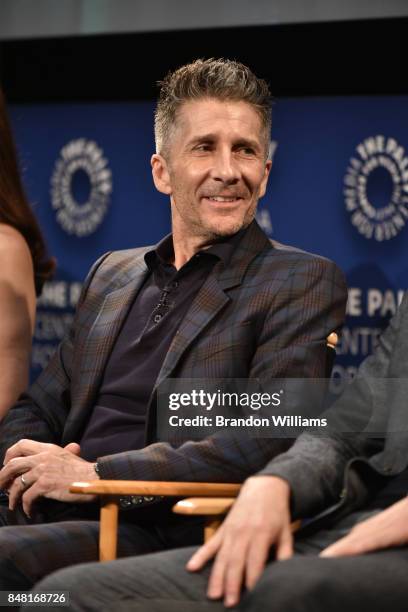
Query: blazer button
x=343 y=493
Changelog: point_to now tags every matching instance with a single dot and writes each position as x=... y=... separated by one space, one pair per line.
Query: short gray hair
x=222 y=79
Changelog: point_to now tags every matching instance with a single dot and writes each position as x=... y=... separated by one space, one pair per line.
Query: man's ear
x=161 y=175
x=268 y=166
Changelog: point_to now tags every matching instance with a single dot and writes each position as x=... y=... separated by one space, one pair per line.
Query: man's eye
x=247 y=151
x=203 y=147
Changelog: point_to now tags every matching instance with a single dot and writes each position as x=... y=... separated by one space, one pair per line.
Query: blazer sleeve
x=306 y=309
x=316 y=463
x=41 y=412
x=291 y=342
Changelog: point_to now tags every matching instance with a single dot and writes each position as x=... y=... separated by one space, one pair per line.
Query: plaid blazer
x=267 y=315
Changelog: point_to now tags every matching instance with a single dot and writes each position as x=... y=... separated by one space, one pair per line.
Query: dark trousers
x=62 y=534
x=306 y=583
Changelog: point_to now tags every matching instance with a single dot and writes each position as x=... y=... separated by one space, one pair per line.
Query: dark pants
x=65 y=534
x=306 y=583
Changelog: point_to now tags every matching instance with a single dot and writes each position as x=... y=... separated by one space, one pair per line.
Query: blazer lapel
x=91 y=364
x=207 y=304
x=211 y=298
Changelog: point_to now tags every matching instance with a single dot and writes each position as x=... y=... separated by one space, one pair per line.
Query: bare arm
x=17 y=315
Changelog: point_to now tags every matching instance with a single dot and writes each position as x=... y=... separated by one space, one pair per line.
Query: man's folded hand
x=36 y=469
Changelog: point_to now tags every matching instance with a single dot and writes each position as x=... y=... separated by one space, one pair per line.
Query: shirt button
x=174 y=285
x=157 y=318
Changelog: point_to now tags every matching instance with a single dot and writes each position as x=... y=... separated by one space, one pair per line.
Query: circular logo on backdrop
x=81 y=185
x=376 y=188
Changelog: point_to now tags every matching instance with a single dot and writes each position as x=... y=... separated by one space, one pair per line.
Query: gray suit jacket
x=333 y=472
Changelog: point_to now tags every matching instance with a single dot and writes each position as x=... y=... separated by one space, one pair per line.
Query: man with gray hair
x=213 y=300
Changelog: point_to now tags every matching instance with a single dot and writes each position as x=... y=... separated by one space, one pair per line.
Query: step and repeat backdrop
x=338 y=187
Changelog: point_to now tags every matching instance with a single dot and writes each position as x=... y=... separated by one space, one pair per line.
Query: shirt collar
x=223 y=249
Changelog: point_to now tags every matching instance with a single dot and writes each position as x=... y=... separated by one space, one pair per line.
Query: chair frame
x=110 y=490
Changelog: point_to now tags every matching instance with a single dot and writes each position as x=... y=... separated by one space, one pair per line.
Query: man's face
x=215 y=170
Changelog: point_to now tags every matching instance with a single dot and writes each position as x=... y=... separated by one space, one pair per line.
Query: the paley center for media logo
x=81 y=187
x=376 y=188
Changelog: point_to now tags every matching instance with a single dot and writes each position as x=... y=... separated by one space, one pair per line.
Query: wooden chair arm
x=213 y=509
x=152 y=488
x=332 y=340
x=112 y=490
x=204 y=506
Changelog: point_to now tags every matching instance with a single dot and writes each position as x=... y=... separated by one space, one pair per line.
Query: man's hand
x=387 y=529
x=26 y=447
x=259 y=519
x=47 y=471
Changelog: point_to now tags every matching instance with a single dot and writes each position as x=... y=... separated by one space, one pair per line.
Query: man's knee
x=67 y=580
x=13 y=551
x=34 y=551
x=298 y=585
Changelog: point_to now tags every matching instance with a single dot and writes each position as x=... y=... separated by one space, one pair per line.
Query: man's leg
x=157 y=582
x=374 y=582
x=302 y=584
x=30 y=552
x=308 y=583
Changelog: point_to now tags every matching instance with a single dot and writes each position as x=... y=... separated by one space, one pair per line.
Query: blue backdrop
x=338 y=187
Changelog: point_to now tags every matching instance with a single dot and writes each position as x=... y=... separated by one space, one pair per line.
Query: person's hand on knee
x=387 y=529
x=259 y=519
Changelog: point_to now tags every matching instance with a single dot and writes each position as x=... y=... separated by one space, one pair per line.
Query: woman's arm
x=17 y=315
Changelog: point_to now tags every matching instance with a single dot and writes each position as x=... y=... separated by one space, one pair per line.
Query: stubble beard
x=210 y=230
x=213 y=231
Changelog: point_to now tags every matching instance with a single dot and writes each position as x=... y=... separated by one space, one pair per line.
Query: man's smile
x=222 y=201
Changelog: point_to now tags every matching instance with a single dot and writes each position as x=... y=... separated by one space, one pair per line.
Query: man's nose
x=225 y=168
